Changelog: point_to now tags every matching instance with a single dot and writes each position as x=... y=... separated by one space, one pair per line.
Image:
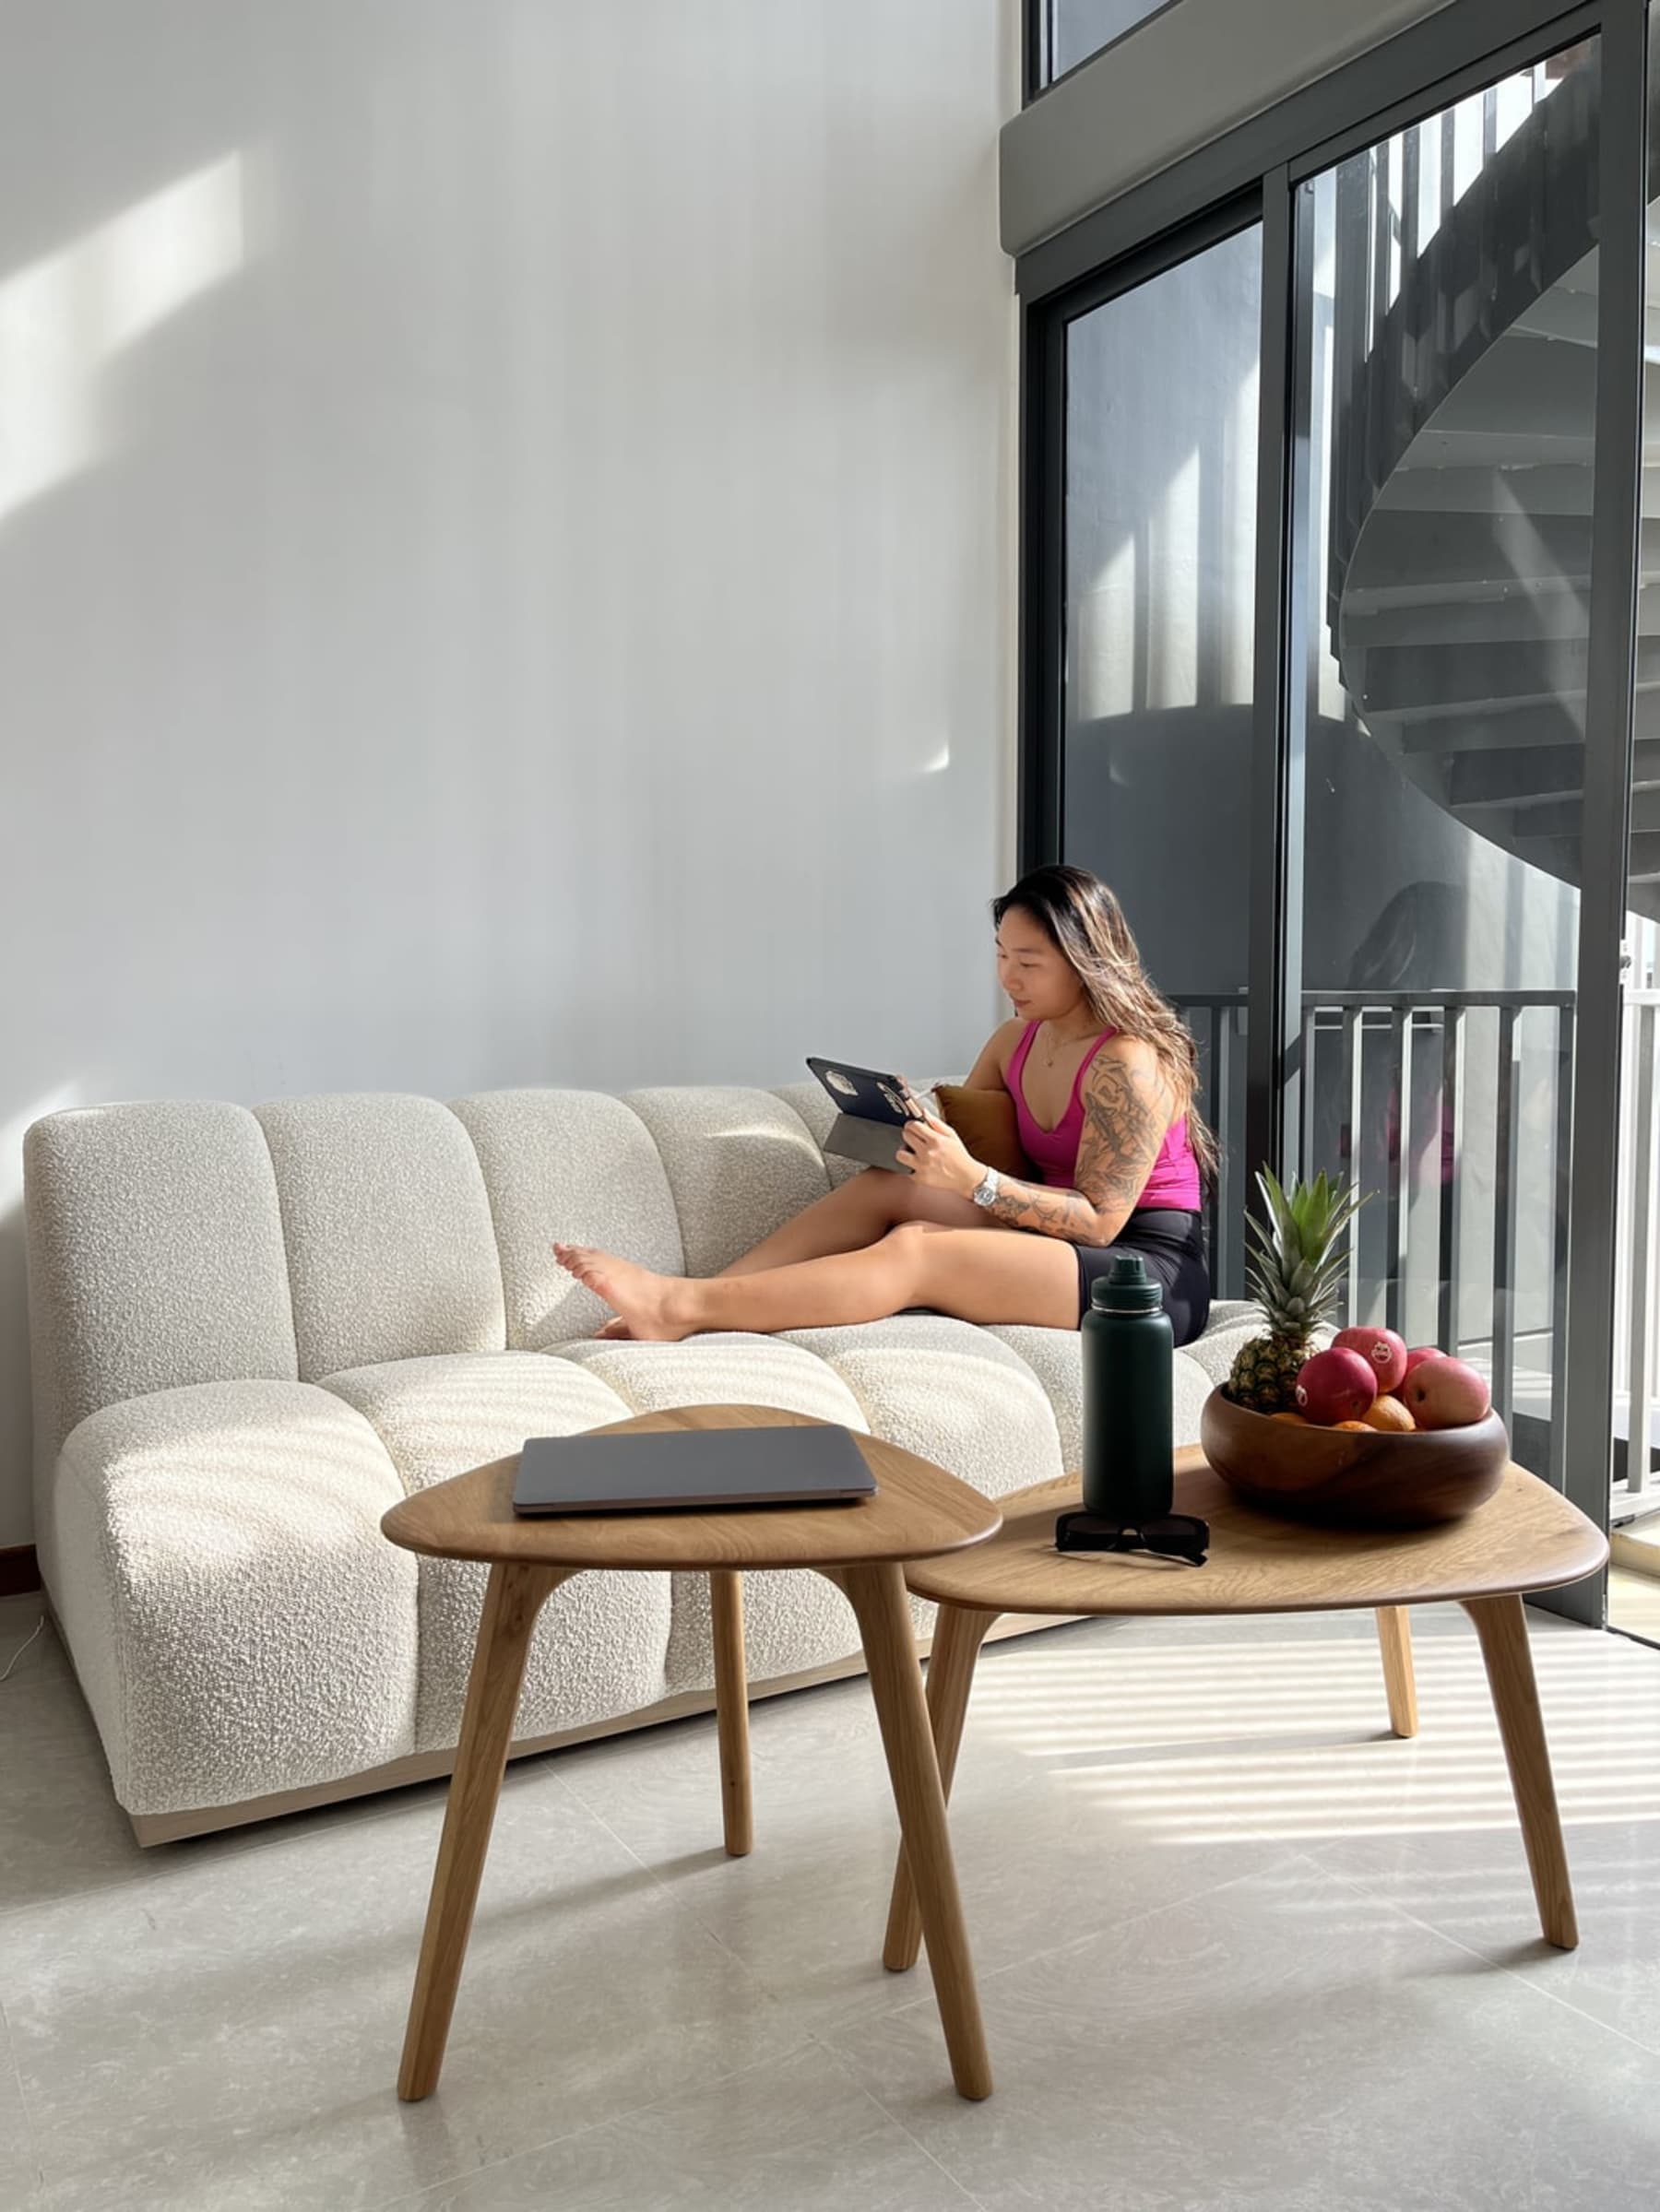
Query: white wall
x=505 y=568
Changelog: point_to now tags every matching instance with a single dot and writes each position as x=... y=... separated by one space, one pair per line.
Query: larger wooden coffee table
x=862 y=1547
x=1525 y=1537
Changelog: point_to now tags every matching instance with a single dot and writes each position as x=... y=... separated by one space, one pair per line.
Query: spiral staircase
x=1463 y=369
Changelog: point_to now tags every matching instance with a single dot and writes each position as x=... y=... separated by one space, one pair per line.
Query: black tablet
x=867 y=1093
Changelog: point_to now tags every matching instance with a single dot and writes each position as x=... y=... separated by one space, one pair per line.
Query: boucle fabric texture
x=155 y=1258
x=601 y=1640
x=238 y=1621
x=391 y=1249
x=579 y=1166
x=811 y=1102
x=948 y=1391
x=791 y=1621
x=740 y=1163
x=256 y=1333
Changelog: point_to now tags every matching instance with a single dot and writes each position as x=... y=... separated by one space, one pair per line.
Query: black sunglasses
x=1173 y=1535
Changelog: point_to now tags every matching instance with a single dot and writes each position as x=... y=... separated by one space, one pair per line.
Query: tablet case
x=870 y=1118
x=695 y=1469
x=873 y=1144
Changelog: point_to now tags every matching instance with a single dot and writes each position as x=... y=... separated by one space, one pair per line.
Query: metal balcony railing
x=1452 y=1109
x=1636 y=1308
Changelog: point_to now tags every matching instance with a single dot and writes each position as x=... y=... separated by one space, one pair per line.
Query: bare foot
x=615 y=1330
x=649 y=1306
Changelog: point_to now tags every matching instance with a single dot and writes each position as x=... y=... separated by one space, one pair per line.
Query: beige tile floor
x=1634 y=1603
x=1238 y=1949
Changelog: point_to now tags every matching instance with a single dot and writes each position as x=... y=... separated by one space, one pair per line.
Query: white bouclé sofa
x=253 y=1330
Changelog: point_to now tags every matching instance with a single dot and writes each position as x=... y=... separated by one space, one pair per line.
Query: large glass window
x=1634 y=1582
x=1079 y=28
x=1449 y=375
x=1161 y=452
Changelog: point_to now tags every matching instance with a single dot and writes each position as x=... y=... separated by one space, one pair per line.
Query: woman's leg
x=856 y=1213
x=979 y=1274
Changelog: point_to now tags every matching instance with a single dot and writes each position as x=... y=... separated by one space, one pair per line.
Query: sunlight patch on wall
x=1107 y=639
x=1176 y=563
x=64 y=318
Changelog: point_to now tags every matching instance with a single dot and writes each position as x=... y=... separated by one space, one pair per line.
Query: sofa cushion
x=791 y=1621
x=239 y=1623
x=811 y=1102
x=391 y=1250
x=948 y=1390
x=740 y=1165
x=600 y=1641
x=577 y=1166
x=155 y=1261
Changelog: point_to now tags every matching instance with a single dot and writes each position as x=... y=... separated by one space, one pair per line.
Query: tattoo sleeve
x=1126 y=1112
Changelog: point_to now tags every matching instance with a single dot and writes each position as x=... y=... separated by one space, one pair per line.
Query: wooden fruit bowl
x=1383 y=1479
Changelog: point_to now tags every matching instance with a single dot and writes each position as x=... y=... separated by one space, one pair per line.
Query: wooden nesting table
x=1525 y=1537
x=917 y=1510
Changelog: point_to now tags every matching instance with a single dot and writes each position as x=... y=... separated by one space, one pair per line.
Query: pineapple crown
x=1297 y=1269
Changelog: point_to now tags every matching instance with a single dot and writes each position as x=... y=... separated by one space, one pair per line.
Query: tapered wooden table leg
x=511 y=1601
x=731 y=1711
x=958 y=1635
x=1395 y=1639
x=877 y=1595
x=1501 y=1624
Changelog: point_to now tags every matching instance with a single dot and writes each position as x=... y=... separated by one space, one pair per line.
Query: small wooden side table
x=1526 y=1537
x=862 y=1547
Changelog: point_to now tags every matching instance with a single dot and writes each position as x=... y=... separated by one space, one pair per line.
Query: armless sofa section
x=253 y=1330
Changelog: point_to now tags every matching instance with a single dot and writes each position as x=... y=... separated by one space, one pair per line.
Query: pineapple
x=1296 y=1275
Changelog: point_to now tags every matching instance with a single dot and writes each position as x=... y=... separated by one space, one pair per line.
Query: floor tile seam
x=414 y=2198
x=883 y=2117
x=372 y=1810
x=230 y=1846
x=1474 y=1950
x=9 y=2057
x=888 y=2114
x=684 y=1909
x=1134 y=1918
x=1078 y=1942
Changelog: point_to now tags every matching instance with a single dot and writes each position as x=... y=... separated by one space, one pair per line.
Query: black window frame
x=1252 y=174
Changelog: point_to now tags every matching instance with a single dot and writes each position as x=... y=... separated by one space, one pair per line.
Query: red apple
x=1386 y=1351
x=1420 y=1353
x=1445 y=1393
x=1335 y=1385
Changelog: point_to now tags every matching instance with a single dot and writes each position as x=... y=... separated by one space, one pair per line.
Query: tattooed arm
x=1128 y=1104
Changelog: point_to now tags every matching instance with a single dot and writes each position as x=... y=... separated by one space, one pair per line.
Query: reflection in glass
x=1080 y=28
x=1449 y=359
x=1161 y=443
x=1634 y=1583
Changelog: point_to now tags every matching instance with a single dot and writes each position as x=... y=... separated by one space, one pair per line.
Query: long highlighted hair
x=1086 y=924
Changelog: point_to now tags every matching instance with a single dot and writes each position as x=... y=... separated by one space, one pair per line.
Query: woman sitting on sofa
x=1102 y=1073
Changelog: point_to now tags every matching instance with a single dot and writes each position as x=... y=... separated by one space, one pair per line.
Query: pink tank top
x=1174 y=1183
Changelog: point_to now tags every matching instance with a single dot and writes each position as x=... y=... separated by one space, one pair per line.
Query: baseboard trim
x=20 y=1571
x=150 y=1828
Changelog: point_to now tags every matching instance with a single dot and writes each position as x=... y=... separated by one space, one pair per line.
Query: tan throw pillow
x=984 y=1122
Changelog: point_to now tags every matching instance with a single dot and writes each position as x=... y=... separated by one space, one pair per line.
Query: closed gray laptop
x=691 y=1469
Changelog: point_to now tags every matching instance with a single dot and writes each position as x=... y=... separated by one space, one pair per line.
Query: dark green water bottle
x=1127 y=1444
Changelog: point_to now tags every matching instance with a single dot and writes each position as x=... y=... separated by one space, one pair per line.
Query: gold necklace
x=1053 y=1045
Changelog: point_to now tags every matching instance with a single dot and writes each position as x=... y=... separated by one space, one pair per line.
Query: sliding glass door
x=1448 y=333
x=1340 y=643
x=1157 y=609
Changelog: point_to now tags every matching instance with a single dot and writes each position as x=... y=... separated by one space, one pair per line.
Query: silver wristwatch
x=985 y=1192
